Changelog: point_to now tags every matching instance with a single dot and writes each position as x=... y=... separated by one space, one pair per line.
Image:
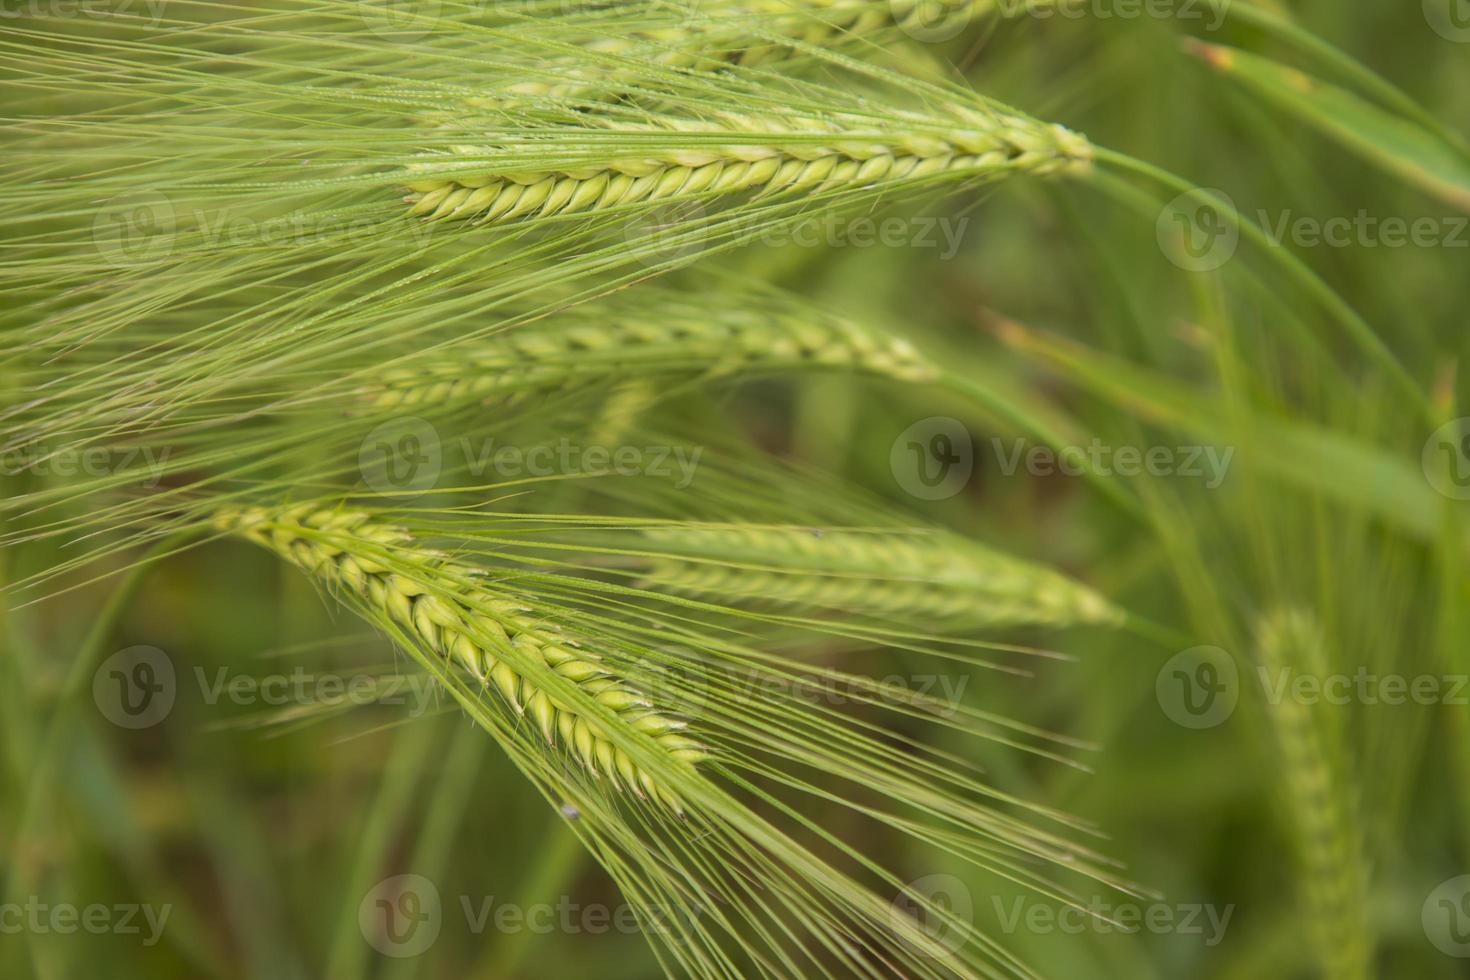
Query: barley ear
x=1322 y=801
x=438 y=605
x=605 y=343
x=489 y=186
x=909 y=573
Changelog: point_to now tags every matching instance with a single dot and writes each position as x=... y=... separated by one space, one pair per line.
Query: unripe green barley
x=346 y=550
x=925 y=574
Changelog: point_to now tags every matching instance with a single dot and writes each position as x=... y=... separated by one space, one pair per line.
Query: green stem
x=442 y=818
x=53 y=741
x=46 y=769
x=1450 y=634
x=559 y=860
x=414 y=749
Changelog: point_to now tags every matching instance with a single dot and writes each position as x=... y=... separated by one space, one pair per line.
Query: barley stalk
x=920 y=573
x=995 y=145
x=677 y=336
x=473 y=627
x=715 y=35
x=1322 y=804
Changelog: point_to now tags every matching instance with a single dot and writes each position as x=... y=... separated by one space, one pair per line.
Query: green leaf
x=1307 y=456
x=1391 y=141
